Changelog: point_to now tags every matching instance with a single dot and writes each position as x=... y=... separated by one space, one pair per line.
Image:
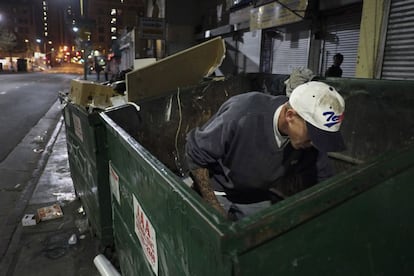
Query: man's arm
x=202 y=183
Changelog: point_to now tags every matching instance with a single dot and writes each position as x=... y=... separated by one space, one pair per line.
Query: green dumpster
x=88 y=162
x=379 y=112
x=355 y=223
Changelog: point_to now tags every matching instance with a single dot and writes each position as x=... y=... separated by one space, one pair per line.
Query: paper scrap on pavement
x=49 y=212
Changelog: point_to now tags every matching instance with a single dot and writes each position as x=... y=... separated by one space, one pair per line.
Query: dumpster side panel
x=187 y=241
x=378 y=115
x=130 y=262
x=88 y=164
x=366 y=235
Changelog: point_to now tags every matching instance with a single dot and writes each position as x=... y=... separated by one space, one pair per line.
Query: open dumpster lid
x=185 y=68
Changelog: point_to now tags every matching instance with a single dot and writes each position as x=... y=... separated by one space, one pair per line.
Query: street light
x=81 y=40
x=27 y=47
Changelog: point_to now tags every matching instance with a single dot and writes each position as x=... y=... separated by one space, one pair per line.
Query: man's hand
x=202 y=183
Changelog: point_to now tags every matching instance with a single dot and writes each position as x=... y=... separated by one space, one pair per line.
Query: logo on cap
x=332 y=118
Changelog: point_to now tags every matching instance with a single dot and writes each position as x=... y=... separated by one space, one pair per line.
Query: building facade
x=17 y=32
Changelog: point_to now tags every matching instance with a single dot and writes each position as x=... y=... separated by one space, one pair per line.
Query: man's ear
x=290 y=114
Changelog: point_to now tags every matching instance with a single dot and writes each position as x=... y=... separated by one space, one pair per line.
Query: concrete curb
x=13 y=219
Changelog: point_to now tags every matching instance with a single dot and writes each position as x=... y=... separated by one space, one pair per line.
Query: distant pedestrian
x=155 y=9
x=335 y=70
x=98 y=69
x=107 y=70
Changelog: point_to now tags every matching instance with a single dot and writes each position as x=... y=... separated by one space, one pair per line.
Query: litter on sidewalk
x=29 y=220
x=49 y=212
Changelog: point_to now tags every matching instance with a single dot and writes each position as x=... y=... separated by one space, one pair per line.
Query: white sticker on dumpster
x=146 y=235
x=114 y=183
x=78 y=127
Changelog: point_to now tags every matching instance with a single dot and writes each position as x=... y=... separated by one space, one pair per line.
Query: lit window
x=113 y=20
x=113 y=11
x=113 y=37
x=113 y=29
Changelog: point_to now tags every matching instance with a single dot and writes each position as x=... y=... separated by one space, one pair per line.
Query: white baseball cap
x=322 y=107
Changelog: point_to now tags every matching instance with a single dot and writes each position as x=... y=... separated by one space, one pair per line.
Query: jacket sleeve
x=315 y=167
x=207 y=145
x=324 y=167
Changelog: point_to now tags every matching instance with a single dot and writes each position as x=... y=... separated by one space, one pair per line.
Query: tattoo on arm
x=202 y=181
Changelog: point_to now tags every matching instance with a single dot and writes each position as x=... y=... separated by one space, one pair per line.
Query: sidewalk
x=43 y=249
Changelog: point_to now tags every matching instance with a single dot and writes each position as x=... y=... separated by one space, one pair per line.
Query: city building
x=265 y=36
x=112 y=18
x=17 y=32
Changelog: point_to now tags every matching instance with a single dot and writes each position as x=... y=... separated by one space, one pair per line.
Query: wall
x=370 y=37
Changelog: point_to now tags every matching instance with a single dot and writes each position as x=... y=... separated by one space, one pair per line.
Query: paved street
x=24 y=99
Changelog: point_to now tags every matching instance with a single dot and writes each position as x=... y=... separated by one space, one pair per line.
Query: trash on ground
x=82 y=225
x=80 y=210
x=29 y=220
x=56 y=245
x=39 y=139
x=50 y=212
x=60 y=196
x=73 y=239
x=104 y=266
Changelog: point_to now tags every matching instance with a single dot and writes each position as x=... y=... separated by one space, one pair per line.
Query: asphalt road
x=24 y=99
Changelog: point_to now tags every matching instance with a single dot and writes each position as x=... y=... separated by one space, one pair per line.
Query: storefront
x=274 y=37
x=289 y=47
x=341 y=35
x=398 y=57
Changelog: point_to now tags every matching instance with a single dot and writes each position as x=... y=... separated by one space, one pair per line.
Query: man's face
x=298 y=132
x=337 y=61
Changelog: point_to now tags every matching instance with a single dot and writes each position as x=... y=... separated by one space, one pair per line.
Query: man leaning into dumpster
x=258 y=148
